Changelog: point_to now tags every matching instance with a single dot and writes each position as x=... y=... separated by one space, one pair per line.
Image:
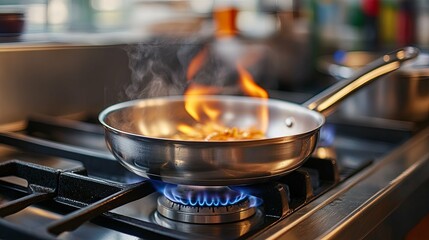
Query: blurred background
x=103 y=47
x=349 y=24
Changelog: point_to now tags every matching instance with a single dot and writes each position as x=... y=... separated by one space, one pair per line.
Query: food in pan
x=216 y=132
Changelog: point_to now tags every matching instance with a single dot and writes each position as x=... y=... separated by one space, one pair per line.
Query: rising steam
x=155 y=70
x=159 y=67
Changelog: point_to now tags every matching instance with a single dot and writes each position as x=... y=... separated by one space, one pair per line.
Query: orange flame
x=250 y=88
x=248 y=85
x=196 y=64
x=198 y=109
x=208 y=112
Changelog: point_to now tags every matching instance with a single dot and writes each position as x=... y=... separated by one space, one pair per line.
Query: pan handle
x=325 y=101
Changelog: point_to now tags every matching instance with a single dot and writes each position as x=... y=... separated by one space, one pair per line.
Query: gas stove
x=59 y=181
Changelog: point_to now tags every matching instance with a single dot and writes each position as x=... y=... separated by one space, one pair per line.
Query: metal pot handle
x=325 y=101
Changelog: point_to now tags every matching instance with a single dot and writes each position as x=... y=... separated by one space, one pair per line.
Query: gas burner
x=232 y=230
x=194 y=204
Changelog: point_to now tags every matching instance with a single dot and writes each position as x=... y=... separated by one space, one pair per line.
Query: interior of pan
x=159 y=117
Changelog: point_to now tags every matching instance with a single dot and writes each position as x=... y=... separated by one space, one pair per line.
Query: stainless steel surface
x=356 y=207
x=34 y=218
x=59 y=79
x=205 y=214
x=402 y=95
x=7 y=153
x=325 y=101
x=139 y=133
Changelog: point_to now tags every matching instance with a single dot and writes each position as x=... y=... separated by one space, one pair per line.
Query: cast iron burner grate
x=86 y=193
x=208 y=205
x=78 y=198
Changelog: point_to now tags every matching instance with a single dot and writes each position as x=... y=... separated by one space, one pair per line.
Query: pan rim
x=115 y=107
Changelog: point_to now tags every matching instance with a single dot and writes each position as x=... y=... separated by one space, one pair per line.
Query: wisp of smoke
x=159 y=66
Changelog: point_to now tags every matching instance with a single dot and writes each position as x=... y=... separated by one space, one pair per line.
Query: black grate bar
x=72 y=221
x=274 y=195
x=308 y=179
x=327 y=167
x=48 y=147
x=49 y=124
x=299 y=186
x=40 y=178
x=90 y=158
x=21 y=203
x=81 y=191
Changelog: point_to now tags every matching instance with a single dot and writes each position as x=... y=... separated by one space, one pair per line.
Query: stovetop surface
x=72 y=178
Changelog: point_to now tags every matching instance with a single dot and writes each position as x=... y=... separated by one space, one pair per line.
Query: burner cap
x=205 y=204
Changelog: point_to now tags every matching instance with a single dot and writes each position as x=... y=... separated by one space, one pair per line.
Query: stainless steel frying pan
x=137 y=133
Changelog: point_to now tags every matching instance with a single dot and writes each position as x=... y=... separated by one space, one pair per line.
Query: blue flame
x=255 y=201
x=327 y=135
x=203 y=197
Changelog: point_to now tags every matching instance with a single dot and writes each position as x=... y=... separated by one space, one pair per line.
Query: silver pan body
x=138 y=134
